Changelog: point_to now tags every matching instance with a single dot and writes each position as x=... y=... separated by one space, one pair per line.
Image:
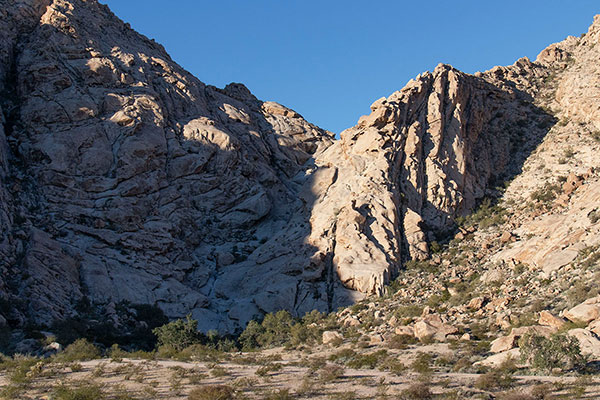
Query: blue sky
x=330 y=59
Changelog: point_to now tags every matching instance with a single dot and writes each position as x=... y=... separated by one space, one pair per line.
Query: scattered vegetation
x=212 y=392
x=546 y=354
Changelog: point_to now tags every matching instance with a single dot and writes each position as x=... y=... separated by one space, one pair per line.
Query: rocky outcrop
x=426 y=155
x=125 y=179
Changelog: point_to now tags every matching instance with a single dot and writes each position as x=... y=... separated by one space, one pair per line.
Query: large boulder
x=588 y=342
x=585 y=312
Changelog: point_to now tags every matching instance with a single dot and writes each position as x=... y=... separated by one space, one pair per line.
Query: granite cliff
x=124 y=179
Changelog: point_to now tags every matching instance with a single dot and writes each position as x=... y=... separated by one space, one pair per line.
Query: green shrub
x=546 y=193
x=178 y=334
x=81 y=391
x=488 y=214
x=558 y=351
x=421 y=265
x=409 y=311
x=422 y=363
x=401 y=341
x=370 y=360
x=212 y=392
x=79 y=350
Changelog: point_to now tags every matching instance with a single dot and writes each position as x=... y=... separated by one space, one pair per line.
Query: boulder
x=588 y=342
x=547 y=319
x=498 y=359
x=331 y=337
x=594 y=326
x=583 y=313
x=503 y=343
x=432 y=325
x=405 y=330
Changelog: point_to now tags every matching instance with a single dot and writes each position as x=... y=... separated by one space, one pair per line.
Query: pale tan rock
x=476 y=303
x=405 y=330
x=545 y=331
x=506 y=237
x=503 y=343
x=594 y=326
x=547 y=319
x=424 y=330
x=331 y=337
x=500 y=358
x=588 y=342
x=583 y=313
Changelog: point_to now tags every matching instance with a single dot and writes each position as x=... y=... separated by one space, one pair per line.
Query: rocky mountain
x=125 y=180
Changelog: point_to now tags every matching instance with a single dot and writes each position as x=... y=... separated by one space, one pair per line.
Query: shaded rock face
x=124 y=178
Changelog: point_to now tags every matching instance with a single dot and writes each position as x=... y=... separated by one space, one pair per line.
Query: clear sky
x=330 y=59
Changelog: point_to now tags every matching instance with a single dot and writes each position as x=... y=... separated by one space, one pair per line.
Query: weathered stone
x=498 y=359
x=331 y=337
x=583 y=313
x=547 y=319
x=588 y=342
x=503 y=343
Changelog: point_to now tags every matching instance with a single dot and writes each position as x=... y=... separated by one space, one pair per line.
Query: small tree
x=545 y=354
x=178 y=334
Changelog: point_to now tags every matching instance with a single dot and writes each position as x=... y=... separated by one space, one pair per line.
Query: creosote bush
x=212 y=392
x=178 y=334
x=78 y=391
x=79 y=350
x=417 y=391
x=558 y=351
x=280 y=328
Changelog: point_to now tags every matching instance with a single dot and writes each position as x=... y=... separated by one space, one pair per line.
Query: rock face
x=125 y=179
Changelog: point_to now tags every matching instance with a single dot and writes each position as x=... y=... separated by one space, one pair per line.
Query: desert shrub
x=331 y=372
x=218 y=372
x=80 y=391
x=274 y=330
x=401 y=341
x=488 y=214
x=370 y=360
x=212 y=392
x=281 y=394
x=546 y=193
x=494 y=380
x=392 y=365
x=116 y=354
x=178 y=334
x=417 y=391
x=545 y=354
x=514 y=395
x=421 y=265
x=342 y=356
x=198 y=352
x=79 y=350
x=408 y=311
x=541 y=391
x=265 y=369
x=281 y=328
x=422 y=363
